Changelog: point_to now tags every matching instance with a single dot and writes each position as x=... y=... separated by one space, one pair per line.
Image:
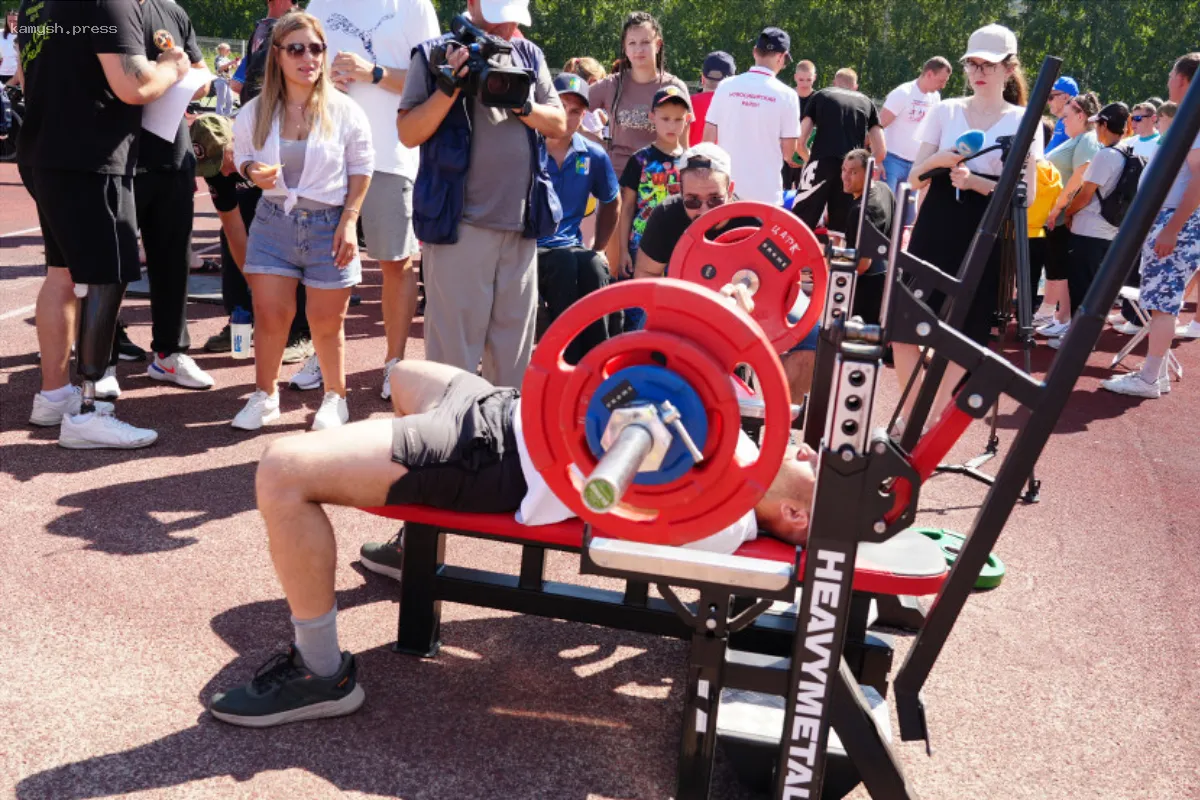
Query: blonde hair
x=585 y=67
x=274 y=93
x=845 y=78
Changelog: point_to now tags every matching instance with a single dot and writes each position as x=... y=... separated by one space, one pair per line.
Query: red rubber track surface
x=135 y=585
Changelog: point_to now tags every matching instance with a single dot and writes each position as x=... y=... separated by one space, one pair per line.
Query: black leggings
x=566 y=274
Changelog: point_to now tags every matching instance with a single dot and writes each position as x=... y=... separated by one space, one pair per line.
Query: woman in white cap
x=955 y=202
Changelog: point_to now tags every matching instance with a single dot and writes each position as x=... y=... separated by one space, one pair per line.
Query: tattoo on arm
x=137 y=66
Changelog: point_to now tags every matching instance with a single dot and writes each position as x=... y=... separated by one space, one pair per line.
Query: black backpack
x=1114 y=207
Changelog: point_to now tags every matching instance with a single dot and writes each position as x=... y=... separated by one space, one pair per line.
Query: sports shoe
x=1189 y=331
x=221 y=342
x=180 y=369
x=309 y=376
x=1044 y=316
x=297 y=350
x=1054 y=328
x=386 y=392
x=1133 y=385
x=101 y=429
x=1055 y=343
x=46 y=412
x=284 y=690
x=107 y=387
x=1127 y=328
x=260 y=409
x=384 y=558
x=1164 y=384
x=126 y=349
x=333 y=413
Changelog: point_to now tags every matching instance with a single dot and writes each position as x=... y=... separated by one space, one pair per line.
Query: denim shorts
x=298 y=245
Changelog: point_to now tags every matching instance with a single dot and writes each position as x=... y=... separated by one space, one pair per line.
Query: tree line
x=1121 y=49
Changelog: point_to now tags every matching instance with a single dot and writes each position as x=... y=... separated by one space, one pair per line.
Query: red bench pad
x=869 y=575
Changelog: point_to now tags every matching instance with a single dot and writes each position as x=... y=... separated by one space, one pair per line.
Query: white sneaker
x=107 y=387
x=333 y=413
x=1133 y=385
x=309 y=376
x=260 y=409
x=1055 y=343
x=1189 y=331
x=1044 y=316
x=101 y=429
x=1127 y=328
x=1164 y=383
x=180 y=369
x=1053 y=328
x=386 y=392
x=46 y=412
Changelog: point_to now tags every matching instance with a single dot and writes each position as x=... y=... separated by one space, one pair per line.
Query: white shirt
x=384 y=32
x=1104 y=170
x=1146 y=148
x=8 y=55
x=910 y=105
x=542 y=507
x=752 y=112
x=948 y=120
x=329 y=161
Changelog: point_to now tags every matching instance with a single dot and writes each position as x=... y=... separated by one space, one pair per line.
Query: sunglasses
x=296 y=49
x=1139 y=117
x=693 y=202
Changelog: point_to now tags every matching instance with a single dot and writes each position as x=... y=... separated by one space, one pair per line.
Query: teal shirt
x=1073 y=154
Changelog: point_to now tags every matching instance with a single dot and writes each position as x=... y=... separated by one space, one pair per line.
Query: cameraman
x=480 y=202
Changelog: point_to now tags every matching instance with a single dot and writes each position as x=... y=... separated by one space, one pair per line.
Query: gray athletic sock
x=317 y=641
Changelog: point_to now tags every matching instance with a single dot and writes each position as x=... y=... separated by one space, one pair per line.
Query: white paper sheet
x=162 y=116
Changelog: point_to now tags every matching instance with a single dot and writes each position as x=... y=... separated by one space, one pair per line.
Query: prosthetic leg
x=99 y=304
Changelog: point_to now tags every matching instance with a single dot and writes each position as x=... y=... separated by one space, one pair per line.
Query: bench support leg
x=706 y=667
x=420 y=622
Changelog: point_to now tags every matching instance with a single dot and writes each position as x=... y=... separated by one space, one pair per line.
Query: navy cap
x=669 y=94
x=774 y=40
x=1067 y=86
x=570 y=83
x=719 y=65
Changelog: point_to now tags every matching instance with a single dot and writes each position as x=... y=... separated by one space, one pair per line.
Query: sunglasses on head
x=296 y=49
x=712 y=201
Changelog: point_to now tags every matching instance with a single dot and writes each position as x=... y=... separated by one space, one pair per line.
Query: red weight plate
x=777 y=252
x=702 y=339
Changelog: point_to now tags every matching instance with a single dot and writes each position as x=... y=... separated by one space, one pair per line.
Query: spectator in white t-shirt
x=902 y=113
x=755 y=117
x=1145 y=130
x=369 y=43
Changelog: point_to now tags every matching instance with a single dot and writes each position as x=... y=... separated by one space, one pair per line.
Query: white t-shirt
x=8 y=56
x=910 y=105
x=752 y=112
x=948 y=120
x=384 y=32
x=1147 y=147
x=1182 y=180
x=542 y=507
x=1104 y=170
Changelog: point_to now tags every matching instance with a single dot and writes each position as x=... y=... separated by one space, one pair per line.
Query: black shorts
x=820 y=188
x=462 y=454
x=89 y=224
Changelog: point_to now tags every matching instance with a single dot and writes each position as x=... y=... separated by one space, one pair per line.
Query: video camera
x=489 y=71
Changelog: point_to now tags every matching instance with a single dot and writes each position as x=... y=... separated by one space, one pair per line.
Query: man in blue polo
x=579 y=170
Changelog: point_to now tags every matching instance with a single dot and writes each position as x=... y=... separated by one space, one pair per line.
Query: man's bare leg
x=55 y=320
x=399 y=304
x=798 y=367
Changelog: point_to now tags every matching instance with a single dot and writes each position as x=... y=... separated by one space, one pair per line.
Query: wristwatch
x=377 y=74
x=525 y=110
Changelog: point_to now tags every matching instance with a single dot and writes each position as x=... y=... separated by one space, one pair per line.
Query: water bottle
x=240 y=331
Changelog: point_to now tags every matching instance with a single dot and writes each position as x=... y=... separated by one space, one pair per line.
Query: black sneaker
x=284 y=690
x=385 y=558
x=220 y=343
x=126 y=349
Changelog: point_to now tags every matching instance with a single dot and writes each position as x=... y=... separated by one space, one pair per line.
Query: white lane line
x=17 y=312
x=18 y=233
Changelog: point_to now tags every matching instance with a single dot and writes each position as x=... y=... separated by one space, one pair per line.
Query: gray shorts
x=298 y=245
x=387 y=218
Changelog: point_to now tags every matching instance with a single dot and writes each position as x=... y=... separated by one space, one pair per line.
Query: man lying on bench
x=455 y=443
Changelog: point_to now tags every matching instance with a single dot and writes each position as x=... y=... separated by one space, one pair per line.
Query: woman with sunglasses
x=1070 y=159
x=309 y=149
x=955 y=201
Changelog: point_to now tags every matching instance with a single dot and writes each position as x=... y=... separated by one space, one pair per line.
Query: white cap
x=711 y=152
x=498 y=11
x=992 y=43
